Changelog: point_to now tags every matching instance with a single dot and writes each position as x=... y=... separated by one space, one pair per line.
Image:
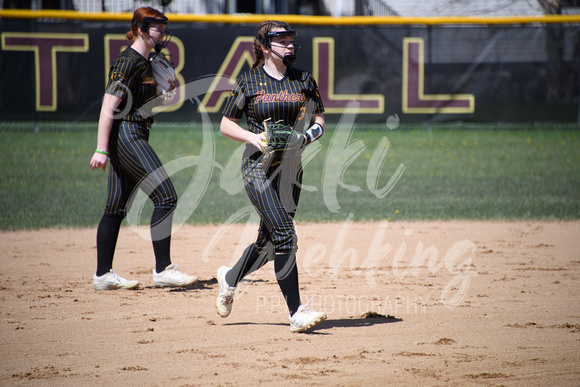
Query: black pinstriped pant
x=274 y=194
x=134 y=163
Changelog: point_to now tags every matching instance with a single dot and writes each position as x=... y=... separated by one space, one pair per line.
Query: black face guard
x=145 y=28
x=161 y=45
x=149 y=20
x=287 y=32
x=288 y=60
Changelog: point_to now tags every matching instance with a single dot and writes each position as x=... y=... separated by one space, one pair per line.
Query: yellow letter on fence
x=45 y=46
x=414 y=99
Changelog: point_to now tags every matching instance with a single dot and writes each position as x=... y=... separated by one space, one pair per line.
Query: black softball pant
x=274 y=194
x=134 y=164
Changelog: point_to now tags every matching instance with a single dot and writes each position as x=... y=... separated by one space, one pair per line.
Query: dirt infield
x=438 y=303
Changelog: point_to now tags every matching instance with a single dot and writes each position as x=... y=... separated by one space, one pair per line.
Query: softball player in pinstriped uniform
x=124 y=140
x=273 y=90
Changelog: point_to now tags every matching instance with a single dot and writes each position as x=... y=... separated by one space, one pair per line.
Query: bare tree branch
x=552 y=7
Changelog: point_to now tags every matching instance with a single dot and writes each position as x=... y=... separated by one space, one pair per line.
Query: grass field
x=370 y=173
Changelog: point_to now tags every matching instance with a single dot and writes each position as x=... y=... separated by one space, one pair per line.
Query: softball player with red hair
x=123 y=139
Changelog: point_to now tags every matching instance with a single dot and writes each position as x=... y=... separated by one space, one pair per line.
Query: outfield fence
x=522 y=70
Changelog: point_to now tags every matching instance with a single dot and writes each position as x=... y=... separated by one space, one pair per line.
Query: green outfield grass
x=449 y=172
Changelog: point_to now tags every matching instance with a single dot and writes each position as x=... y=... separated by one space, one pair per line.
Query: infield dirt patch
x=408 y=303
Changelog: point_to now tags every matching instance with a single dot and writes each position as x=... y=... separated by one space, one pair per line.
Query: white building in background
x=422 y=8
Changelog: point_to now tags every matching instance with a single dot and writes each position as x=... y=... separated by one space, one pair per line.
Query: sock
x=287 y=276
x=107 y=235
x=250 y=261
x=161 y=221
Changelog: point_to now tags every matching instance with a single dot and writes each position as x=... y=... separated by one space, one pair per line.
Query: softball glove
x=281 y=137
x=163 y=72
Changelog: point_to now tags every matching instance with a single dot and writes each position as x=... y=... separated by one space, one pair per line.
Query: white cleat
x=172 y=278
x=304 y=318
x=225 y=298
x=112 y=280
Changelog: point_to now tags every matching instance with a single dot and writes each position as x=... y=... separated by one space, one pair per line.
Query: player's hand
x=259 y=141
x=99 y=161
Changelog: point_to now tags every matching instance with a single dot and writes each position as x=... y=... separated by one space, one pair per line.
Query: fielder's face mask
x=289 y=59
x=145 y=27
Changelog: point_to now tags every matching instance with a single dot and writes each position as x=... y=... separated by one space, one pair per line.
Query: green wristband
x=102 y=152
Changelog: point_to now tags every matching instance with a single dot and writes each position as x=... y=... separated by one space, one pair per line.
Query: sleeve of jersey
x=120 y=77
x=236 y=102
x=316 y=96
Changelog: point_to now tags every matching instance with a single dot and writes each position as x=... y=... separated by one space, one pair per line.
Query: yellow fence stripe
x=294 y=19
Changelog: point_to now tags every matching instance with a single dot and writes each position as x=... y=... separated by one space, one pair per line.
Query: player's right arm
x=230 y=128
x=110 y=104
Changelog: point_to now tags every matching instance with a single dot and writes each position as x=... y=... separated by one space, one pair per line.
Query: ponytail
x=258 y=53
